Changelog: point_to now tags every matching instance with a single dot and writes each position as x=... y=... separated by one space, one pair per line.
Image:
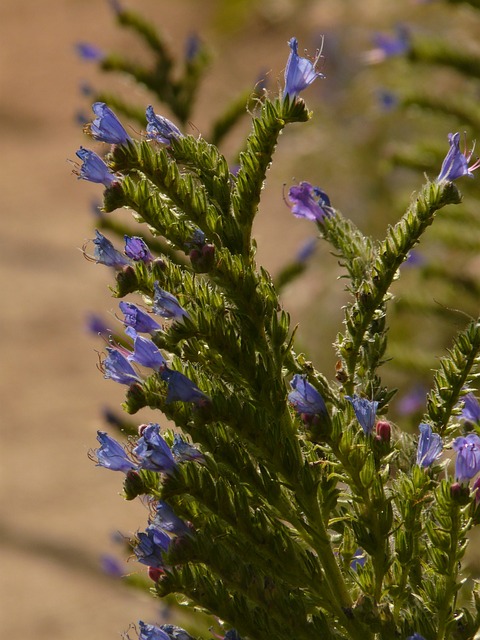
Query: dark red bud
x=141 y=429
x=155 y=573
x=384 y=431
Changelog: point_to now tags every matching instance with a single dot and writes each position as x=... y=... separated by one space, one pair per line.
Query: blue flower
x=107 y=127
x=151 y=546
x=365 y=411
x=96 y=324
x=111 y=454
x=111 y=566
x=471 y=408
x=181 y=388
x=151 y=632
x=416 y=636
x=184 y=451
x=192 y=47
x=94 y=168
x=138 y=319
x=309 y=202
x=307 y=250
x=456 y=162
x=105 y=253
x=387 y=46
x=89 y=51
x=468 y=457
x=429 y=446
x=116 y=367
x=136 y=249
x=305 y=398
x=176 y=633
x=153 y=452
x=145 y=352
x=161 y=129
x=167 y=520
x=299 y=72
x=166 y=305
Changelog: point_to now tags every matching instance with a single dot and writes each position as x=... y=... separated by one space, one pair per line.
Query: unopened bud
x=133 y=485
x=384 y=431
x=460 y=493
x=202 y=259
x=127 y=281
x=154 y=573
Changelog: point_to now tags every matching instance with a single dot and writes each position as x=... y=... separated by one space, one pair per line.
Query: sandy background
x=58 y=510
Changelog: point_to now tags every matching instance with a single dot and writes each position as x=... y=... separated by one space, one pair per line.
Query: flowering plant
x=285 y=504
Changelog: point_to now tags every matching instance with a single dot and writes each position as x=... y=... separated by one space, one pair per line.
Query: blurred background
x=381 y=118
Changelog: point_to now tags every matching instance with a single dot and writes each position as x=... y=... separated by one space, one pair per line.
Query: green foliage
x=283 y=497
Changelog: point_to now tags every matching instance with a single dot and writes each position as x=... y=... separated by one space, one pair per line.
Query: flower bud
x=202 y=259
x=460 y=493
x=133 y=485
x=154 y=573
x=127 y=281
x=384 y=431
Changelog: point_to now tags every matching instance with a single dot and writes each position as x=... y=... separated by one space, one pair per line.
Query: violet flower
x=181 y=388
x=107 y=127
x=467 y=464
x=145 y=352
x=111 y=455
x=150 y=547
x=160 y=128
x=308 y=202
x=299 y=72
x=167 y=520
x=94 y=168
x=136 y=249
x=153 y=452
x=365 y=411
x=105 y=253
x=456 y=162
x=166 y=304
x=183 y=451
x=138 y=319
x=471 y=408
x=305 y=398
x=429 y=446
x=116 y=367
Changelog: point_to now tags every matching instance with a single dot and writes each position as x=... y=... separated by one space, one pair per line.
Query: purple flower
x=166 y=305
x=105 y=253
x=471 y=408
x=167 y=520
x=136 y=249
x=455 y=164
x=111 y=566
x=94 y=168
x=192 y=47
x=107 y=127
x=429 y=446
x=111 y=454
x=117 y=368
x=181 y=388
x=96 y=325
x=305 y=398
x=416 y=636
x=412 y=401
x=358 y=560
x=309 y=202
x=365 y=411
x=468 y=457
x=138 y=319
x=387 y=46
x=161 y=129
x=89 y=51
x=151 y=632
x=176 y=633
x=145 y=352
x=183 y=451
x=299 y=72
x=151 y=545
x=153 y=452
x=307 y=250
